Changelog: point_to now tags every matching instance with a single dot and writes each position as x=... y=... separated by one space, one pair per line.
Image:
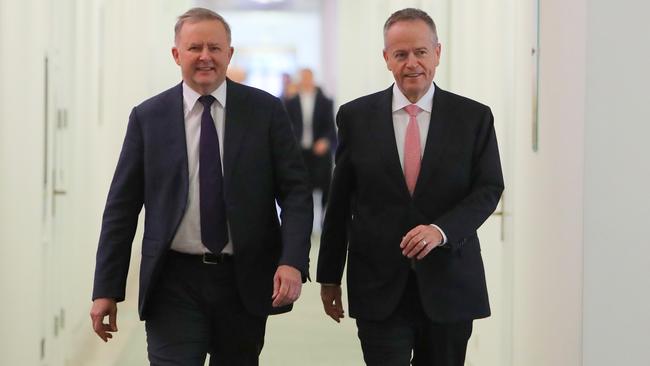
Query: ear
x=385 y=54
x=437 y=52
x=232 y=52
x=175 y=55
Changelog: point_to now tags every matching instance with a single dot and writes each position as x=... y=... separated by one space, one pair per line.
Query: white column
x=22 y=38
x=616 y=318
x=548 y=188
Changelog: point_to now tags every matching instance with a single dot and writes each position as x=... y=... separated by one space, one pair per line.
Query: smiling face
x=203 y=52
x=412 y=54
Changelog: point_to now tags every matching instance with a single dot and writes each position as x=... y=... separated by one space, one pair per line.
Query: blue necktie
x=214 y=232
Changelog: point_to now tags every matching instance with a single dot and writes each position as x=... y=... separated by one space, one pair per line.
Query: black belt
x=206 y=258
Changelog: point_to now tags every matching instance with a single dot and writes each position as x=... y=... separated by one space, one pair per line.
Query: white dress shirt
x=401 y=120
x=307 y=102
x=188 y=235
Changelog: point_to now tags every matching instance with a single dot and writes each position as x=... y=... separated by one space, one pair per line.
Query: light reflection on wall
x=269 y=43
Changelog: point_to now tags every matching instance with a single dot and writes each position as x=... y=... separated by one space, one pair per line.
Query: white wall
x=582 y=210
x=617 y=185
x=21 y=182
x=104 y=56
x=547 y=187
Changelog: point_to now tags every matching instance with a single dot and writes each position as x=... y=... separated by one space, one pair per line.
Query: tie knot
x=412 y=110
x=206 y=100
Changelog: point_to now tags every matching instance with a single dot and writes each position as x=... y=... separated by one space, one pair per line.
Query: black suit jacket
x=320 y=167
x=370 y=208
x=261 y=163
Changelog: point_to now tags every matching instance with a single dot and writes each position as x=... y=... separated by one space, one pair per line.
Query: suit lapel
x=436 y=140
x=237 y=121
x=382 y=125
x=174 y=129
x=170 y=129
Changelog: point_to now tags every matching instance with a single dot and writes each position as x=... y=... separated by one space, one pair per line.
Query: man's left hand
x=287 y=284
x=420 y=240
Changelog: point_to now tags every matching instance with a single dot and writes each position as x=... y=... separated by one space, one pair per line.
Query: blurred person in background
x=208 y=159
x=289 y=88
x=312 y=116
x=417 y=173
x=237 y=74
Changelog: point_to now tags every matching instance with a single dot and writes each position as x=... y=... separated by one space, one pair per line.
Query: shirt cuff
x=444 y=237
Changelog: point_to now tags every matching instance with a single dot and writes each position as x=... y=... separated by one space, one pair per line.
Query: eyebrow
x=210 y=44
x=409 y=50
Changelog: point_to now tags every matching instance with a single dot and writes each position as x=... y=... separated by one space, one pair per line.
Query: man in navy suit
x=208 y=159
x=417 y=172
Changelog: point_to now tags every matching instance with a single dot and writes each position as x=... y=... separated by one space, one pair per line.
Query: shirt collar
x=425 y=103
x=190 y=96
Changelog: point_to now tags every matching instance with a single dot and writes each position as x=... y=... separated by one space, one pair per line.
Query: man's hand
x=287 y=284
x=331 y=297
x=420 y=241
x=321 y=147
x=100 y=309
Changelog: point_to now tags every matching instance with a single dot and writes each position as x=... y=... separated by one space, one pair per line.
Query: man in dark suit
x=312 y=116
x=417 y=172
x=208 y=159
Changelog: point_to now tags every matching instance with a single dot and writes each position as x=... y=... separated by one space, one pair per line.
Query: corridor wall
x=72 y=72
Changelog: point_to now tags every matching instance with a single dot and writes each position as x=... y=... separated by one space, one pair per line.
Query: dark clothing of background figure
x=261 y=164
x=319 y=167
x=370 y=210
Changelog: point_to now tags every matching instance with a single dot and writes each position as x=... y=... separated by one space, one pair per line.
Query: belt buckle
x=211 y=258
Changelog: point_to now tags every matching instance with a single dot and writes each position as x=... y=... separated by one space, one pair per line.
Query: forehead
x=203 y=31
x=306 y=73
x=409 y=33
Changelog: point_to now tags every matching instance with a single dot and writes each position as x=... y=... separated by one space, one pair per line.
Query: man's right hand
x=103 y=307
x=331 y=297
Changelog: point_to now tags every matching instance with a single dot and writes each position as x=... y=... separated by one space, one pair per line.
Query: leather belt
x=206 y=258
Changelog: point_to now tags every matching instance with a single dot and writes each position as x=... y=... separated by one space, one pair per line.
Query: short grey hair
x=411 y=14
x=199 y=14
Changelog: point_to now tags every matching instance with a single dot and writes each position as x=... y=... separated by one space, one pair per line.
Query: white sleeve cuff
x=444 y=237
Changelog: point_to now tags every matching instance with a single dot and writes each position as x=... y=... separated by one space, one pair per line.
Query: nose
x=411 y=60
x=204 y=53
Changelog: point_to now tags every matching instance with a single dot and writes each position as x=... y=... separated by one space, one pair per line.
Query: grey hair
x=411 y=14
x=199 y=14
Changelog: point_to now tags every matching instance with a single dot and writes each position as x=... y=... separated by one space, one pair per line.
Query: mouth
x=205 y=68
x=413 y=75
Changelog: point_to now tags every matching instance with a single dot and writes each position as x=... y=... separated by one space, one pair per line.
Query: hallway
x=566 y=252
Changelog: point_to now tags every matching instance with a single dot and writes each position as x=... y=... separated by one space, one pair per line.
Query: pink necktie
x=412 y=148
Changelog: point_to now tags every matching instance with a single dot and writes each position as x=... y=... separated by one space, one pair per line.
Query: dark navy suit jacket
x=370 y=208
x=262 y=164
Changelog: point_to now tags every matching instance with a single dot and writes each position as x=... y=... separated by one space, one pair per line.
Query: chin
x=205 y=83
x=414 y=91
